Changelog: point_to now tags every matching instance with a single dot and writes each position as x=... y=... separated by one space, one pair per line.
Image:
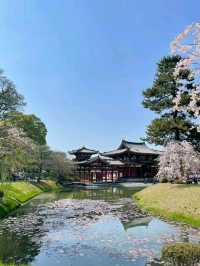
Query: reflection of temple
x=144 y=221
x=130 y=161
x=110 y=193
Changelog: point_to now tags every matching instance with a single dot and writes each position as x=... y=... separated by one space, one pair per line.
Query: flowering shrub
x=178 y=161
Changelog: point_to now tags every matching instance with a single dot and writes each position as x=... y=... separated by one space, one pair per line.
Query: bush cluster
x=181 y=254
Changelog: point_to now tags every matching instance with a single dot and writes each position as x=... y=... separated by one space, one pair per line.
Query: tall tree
x=32 y=125
x=10 y=99
x=172 y=124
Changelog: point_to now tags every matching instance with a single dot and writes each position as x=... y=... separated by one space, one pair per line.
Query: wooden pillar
x=80 y=174
x=91 y=175
x=112 y=175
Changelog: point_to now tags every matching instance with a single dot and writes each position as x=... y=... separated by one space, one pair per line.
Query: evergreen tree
x=171 y=124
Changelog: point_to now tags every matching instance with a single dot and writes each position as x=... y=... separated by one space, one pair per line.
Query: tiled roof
x=134 y=147
x=119 y=151
x=83 y=150
x=106 y=160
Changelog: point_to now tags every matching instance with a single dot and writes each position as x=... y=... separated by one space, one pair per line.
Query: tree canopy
x=32 y=125
x=10 y=99
x=170 y=124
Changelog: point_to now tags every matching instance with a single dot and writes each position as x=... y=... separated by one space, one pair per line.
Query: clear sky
x=82 y=64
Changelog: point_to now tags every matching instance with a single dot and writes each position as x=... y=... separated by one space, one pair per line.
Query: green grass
x=11 y=264
x=17 y=193
x=175 y=202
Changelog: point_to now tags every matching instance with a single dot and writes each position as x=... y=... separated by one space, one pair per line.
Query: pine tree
x=171 y=124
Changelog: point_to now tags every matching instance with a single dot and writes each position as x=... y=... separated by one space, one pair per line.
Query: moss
x=181 y=254
x=172 y=201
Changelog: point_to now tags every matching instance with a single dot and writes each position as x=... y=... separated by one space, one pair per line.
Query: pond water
x=90 y=227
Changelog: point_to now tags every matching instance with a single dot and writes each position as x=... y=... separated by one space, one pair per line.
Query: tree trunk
x=176 y=129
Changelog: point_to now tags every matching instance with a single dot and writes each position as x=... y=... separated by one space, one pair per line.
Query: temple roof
x=101 y=158
x=134 y=147
x=83 y=150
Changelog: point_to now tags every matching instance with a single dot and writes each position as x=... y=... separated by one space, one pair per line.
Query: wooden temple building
x=131 y=161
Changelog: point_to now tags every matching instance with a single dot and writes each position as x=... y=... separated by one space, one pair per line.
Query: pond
x=96 y=226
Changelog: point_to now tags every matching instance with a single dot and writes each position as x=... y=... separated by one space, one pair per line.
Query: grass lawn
x=172 y=201
x=17 y=193
x=11 y=264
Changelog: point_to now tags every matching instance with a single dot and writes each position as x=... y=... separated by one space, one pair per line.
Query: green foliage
x=171 y=125
x=60 y=167
x=162 y=130
x=159 y=97
x=181 y=254
x=10 y=99
x=33 y=127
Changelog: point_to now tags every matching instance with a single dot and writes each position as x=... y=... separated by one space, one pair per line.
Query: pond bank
x=18 y=193
x=175 y=202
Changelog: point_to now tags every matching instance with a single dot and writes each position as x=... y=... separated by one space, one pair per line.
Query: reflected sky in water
x=42 y=235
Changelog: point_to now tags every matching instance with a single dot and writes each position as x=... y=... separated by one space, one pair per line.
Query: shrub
x=164 y=180
x=1 y=194
x=181 y=254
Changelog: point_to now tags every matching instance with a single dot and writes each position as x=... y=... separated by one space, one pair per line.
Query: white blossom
x=178 y=161
x=187 y=44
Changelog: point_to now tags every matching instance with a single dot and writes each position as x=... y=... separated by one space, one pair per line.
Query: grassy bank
x=17 y=193
x=2 y=264
x=172 y=201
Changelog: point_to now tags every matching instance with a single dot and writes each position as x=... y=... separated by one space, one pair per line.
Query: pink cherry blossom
x=178 y=161
x=187 y=44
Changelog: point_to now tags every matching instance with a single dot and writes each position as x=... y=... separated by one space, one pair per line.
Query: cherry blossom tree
x=178 y=161
x=16 y=150
x=187 y=44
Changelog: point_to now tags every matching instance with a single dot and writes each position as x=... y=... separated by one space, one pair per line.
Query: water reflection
x=42 y=234
x=18 y=248
x=102 y=193
x=20 y=239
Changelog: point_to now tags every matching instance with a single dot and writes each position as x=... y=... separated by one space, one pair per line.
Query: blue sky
x=82 y=64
